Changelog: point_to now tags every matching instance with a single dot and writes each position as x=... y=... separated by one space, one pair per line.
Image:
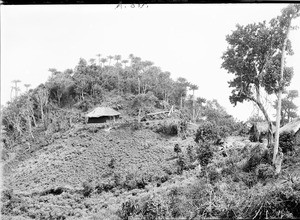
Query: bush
x=87 y=188
x=287 y=141
x=135 y=125
x=279 y=203
x=204 y=154
x=181 y=164
x=154 y=208
x=168 y=128
x=177 y=149
x=211 y=133
x=129 y=208
x=264 y=171
x=250 y=179
x=150 y=209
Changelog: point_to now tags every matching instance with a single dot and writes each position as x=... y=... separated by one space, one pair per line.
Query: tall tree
x=99 y=58
x=117 y=58
x=181 y=86
x=92 y=61
x=16 y=88
x=193 y=87
x=42 y=97
x=103 y=61
x=110 y=57
x=27 y=87
x=125 y=62
x=253 y=57
x=283 y=24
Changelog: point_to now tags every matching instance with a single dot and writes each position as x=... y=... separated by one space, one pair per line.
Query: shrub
x=112 y=163
x=87 y=188
x=264 y=171
x=147 y=209
x=168 y=128
x=190 y=153
x=135 y=125
x=154 y=208
x=258 y=155
x=177 y=149
x=210 y=132
x=287 y=141
x=128 y=209
x=204 y=154
x=181 y=164
x=250 y=179
x=279 y=203
x=213 y=174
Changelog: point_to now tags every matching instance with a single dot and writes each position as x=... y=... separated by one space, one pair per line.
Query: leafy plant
x=287 y=141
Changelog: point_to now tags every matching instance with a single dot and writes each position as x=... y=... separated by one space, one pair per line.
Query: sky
x=187 y=40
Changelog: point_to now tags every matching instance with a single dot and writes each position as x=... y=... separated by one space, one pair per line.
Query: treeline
x=134 y=85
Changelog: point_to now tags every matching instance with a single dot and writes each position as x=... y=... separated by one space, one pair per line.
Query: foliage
x=142 y=103
x=204 y=153
x=288 y=107
x=87 y=188
x=264 y=171
x=254 y=58
x=168 y=127
x=208 y=132
x=287 y=141
x=137 y=87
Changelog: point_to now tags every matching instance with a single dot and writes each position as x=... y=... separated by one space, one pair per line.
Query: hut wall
x=102 y=119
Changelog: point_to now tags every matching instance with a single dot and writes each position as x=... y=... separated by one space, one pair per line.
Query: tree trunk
x=29 y=126
x=139 y=83
x=139 y=116
x=180 y=101
x=277 y=162
x=261 y=107
x=276 y=145
x=33 y=119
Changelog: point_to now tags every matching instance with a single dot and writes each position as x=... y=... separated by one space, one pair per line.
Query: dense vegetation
x=134 y=88
x=197 y=162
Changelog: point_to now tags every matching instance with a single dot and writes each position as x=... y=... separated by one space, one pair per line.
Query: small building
x=102 y=115
x=259 y=130
x=292 y=127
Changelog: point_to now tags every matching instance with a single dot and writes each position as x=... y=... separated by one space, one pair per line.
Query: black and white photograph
x=150 y=111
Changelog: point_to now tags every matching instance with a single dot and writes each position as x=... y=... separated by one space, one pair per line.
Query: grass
x=94 y=174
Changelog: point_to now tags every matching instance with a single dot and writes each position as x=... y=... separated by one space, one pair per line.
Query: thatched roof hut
x=263 y=127
x=259 y=130
x=102 y=114
x=293 y=126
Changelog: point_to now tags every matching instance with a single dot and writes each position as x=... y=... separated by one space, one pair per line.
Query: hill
x=196 y=162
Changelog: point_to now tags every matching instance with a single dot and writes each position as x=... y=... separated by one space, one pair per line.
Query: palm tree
x=103 y=61
x=92 y=61
x=117 y=58
x=99 y=55
x=16 y=88
x=110 y=57
x=193 y=87
x=125 y=61
x=27 y=86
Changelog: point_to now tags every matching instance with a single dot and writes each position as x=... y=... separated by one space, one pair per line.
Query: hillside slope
x=84 y=155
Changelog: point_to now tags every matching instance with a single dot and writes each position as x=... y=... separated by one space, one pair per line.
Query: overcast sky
x=187 y=40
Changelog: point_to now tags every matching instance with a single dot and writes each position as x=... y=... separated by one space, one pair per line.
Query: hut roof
x=102 y=111
x=293 y=126
x=263 y=126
